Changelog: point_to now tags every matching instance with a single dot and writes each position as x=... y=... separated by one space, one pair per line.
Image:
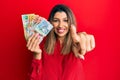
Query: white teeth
x=60 y=30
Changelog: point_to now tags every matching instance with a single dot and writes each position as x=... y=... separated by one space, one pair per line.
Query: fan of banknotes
x=31 y=27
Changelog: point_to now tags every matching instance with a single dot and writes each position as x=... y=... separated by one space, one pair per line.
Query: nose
x=60 y=24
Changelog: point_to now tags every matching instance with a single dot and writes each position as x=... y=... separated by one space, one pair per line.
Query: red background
x=98 y=17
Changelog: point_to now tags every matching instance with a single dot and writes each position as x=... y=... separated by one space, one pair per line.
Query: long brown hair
x=51 y=38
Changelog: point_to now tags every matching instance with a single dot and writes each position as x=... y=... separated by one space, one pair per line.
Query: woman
x=56 y=58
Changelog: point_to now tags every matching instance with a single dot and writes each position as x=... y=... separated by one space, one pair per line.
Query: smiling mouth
x=60 y=30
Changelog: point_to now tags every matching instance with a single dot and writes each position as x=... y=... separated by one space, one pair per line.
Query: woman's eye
x=65 y=20
x=55 y=20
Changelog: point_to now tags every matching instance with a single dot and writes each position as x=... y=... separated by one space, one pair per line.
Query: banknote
x=25 y=20
x=28 y=24
x=44 y=27
x=31 y=27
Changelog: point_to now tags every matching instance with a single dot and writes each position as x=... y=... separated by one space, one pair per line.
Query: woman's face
x=60 y=23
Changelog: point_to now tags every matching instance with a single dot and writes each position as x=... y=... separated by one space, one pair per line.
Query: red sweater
x=56 y=66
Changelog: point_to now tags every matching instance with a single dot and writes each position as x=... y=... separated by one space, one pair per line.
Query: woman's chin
x=61 y=35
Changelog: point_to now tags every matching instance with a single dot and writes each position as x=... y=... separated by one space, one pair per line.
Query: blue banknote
x=44 y=27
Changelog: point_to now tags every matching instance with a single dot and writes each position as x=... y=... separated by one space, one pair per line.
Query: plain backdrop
x=98 y=17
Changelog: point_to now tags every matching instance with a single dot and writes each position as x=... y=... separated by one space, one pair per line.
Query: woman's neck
x=61 y=39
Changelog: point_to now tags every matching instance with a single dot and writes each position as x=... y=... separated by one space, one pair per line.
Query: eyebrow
x=63 y=18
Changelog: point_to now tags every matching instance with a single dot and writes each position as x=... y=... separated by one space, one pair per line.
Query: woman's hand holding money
x=34 y=40
x=33 y=45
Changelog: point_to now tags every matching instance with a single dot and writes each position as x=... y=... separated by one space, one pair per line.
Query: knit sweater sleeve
x=36 y=70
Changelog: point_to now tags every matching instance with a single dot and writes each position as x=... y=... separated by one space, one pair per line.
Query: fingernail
x=82 y=57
